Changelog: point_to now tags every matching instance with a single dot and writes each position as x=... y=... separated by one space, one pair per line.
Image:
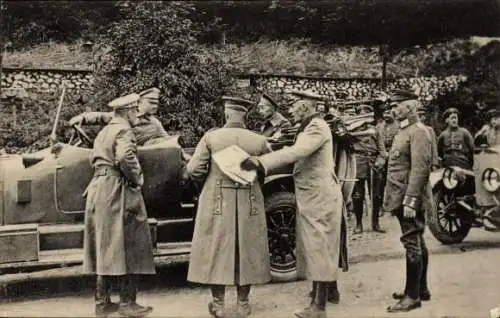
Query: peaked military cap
x=400 y=95
x=268 y=97
x=364 y=107
x=123 y=102
x=151 y=94
x=495 y=112
x=236 y=103
x=449 y=111
x=299 y=95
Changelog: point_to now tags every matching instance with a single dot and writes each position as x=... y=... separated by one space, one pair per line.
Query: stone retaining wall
x=333 y=88
x=46 y=79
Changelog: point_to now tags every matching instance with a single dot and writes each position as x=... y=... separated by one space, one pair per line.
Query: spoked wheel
x=449 y=222
x=280 y=216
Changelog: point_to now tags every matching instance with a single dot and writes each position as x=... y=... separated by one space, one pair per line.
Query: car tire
x=439 y=226
x=282 y=235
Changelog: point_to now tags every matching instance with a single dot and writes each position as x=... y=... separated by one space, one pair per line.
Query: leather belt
x=106 y=171
x=231 y=184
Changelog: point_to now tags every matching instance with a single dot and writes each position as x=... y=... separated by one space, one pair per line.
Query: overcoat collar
x=234 y=124
x=119 y=120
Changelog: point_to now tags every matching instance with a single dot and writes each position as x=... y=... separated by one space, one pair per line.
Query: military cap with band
x=495 y=112
x=268 y=97
x=450 y=111
x=151 y=94
x=125 y=102
x=400 y=95
x=364 y=107
x=236 y=103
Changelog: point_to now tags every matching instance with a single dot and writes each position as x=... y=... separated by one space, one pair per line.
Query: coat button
x=218 y=197
x=236 y=184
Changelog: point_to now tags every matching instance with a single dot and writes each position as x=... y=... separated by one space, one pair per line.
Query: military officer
x=370 y=153
x=274 y=122
x=388 y=128
x=230 y=245
x=148 y=127
x=117 y=241
x=490 y=133
x=455 y=143
x=409 y=165
x=319 y=198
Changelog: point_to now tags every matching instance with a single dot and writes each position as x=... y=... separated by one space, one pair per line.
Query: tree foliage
x=480 y=92
x=155 y=45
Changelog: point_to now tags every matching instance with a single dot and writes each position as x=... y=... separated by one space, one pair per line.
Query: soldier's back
x=102 y=152
x=251 y=142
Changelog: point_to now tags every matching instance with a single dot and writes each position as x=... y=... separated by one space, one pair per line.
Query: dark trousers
x=417 y=255
x=358 y=197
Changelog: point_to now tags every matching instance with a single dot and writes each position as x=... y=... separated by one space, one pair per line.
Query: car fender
x=276 y=177
x=435 y=177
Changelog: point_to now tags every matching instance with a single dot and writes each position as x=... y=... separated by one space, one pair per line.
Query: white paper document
x=229 y=160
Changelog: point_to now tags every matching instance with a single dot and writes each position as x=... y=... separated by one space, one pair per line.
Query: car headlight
x=450 y=178
x=491 y=179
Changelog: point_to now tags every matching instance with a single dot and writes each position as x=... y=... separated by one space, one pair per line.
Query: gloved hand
x=251 y=163
x=409 y=213
x=77 y=120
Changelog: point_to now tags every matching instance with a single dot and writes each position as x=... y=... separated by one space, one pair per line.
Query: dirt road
x=464 y=281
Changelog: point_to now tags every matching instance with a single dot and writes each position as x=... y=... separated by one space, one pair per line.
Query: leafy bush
x=155 y=45
x=27 y=123
x=480 y=92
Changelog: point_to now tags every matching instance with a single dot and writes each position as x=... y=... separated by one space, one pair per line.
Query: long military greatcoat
x=229 y=243
x=117 y=240
x=319 y=199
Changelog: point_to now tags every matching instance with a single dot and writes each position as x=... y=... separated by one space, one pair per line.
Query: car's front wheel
x=280 y=215
x=449 y=222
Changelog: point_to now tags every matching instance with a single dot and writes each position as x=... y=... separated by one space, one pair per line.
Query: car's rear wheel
x=280 y=215
x=449 y=222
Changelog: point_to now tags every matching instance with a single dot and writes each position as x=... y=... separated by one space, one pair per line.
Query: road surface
x=464 y=282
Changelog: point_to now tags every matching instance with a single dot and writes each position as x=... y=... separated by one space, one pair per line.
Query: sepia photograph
x=263 y=158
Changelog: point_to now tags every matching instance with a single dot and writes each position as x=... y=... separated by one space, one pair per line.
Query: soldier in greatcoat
x=455 y=143
x=273 y=121
x=319 y=198
x=117 y=241
x=230 y=245
x=147 y=127
x=409 y=166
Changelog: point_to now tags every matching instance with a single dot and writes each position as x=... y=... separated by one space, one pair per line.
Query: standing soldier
x=388 y=128
x=455 y=144
x=274 y=122
x=407 y=178
x=319 y=198
x=117 y=241
x=490 y=133
x=370 y=153
x=229 y=244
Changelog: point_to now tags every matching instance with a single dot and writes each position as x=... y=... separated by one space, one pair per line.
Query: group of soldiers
x=402 y=151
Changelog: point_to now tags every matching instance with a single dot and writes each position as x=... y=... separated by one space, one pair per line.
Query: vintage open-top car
x=463 y=198
x=42 y=206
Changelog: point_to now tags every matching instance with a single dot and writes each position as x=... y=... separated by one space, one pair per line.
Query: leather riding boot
x=243 y=303
x=103 y=304
x=216 y=306
x=412 y=297
x=128 y=295
x=358 y=211
x=318 y=304
x=375 y=216
x=424 y=289
x=333 y=292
